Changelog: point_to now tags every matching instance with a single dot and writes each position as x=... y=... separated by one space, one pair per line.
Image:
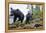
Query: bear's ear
x=11 y=8
x=17 y=9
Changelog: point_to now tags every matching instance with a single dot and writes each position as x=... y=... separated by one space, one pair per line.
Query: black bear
x=17 y=14
x=28 y=17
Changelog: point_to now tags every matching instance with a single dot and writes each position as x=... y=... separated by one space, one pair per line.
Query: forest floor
x=18 y=25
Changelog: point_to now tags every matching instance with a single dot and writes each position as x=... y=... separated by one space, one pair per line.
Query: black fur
x=17 y=14
x=28 y=17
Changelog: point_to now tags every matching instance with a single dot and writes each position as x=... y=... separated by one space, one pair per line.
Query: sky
x=22 y=7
